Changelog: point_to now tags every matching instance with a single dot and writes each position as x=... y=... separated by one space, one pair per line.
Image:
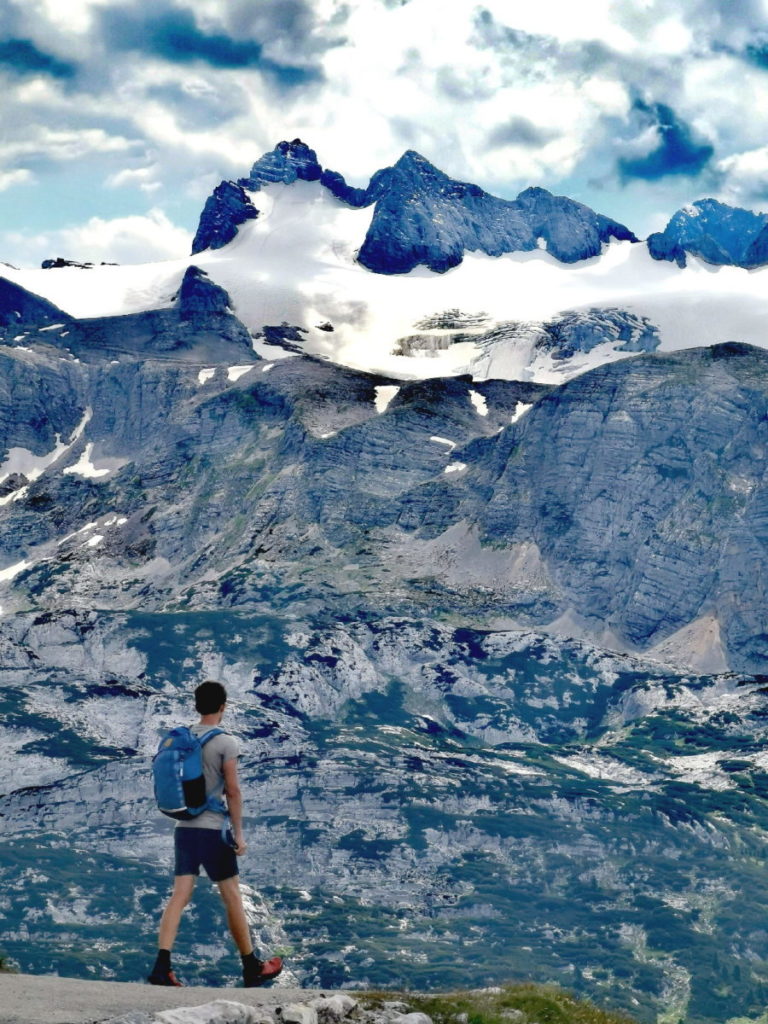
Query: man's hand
x=234 y=804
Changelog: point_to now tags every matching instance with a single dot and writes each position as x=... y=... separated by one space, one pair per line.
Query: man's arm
x=234 y=803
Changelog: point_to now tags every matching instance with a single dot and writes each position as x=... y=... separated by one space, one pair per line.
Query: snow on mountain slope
x=295 y=265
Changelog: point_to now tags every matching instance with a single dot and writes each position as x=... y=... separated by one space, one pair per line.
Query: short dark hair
x=209 y=696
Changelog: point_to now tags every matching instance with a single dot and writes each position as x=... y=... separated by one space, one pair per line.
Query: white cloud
x=132 y=239
x=671 y=37
x=144 y=178
x=73 y=16
x=567 y=22
x=65 y=144
x=745 y=176
x=20 y=176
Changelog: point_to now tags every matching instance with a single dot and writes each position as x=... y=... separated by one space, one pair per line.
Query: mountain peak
x=225 y=210
x=715 y=232
x=412 y=158
x=535 y=192
x=199 y=294
x=286 y=163
x=422 y=216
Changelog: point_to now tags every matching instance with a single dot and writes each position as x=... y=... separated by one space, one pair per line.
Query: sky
x=120 y=116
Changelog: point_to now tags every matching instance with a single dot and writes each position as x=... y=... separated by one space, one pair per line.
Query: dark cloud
x=22 y=57
x=678 y=151
x=287 y=25
x=493 y=35
x=172 y=34
x=756 y=52
x=519 y=131
x=725 y=16
x=543 y=57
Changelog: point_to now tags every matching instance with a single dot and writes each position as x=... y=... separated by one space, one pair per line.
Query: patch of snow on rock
x=206 y=374
x=236 y=372
x=479 y=403
x=85 y=467
x=702 y=768
x=607 y=768
x=22 y=461
x=13 y=570
x=384 y=395
x=14 y=496
x=520 y=410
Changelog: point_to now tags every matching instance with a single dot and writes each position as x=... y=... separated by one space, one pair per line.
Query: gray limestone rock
x=630 y=499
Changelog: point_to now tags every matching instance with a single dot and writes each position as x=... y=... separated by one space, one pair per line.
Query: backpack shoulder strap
x=215 y=731
x=215 y=802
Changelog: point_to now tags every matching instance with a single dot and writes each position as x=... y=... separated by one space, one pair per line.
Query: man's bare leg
x=183 y=887
x=229 y=889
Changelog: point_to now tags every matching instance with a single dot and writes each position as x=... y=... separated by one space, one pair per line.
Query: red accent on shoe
x=166 y=978
x=269 y=969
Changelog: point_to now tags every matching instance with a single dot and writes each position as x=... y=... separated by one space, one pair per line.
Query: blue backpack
x=179 y=781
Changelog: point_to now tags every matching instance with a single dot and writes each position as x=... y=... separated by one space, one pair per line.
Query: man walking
x=201 y=842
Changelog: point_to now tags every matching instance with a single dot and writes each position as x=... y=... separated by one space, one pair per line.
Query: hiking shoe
x=164 y=978
x=261 y=972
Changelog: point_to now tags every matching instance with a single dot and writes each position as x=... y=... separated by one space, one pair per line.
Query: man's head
x=209 y=697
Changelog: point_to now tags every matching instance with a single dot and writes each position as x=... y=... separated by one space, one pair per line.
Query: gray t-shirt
x=216 y=752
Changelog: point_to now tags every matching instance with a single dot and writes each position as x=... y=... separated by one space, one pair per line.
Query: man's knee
x=183 y=887
x=229 y=888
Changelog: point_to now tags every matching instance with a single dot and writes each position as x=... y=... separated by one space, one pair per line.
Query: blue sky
x=118 y=118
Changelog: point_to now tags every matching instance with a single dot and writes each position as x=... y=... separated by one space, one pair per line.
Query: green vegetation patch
x=521 y=1004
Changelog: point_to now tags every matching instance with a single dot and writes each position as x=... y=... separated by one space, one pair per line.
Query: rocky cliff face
x=286 y=163
x=421 y=216
x=716 y=233
x=225 y=210
x=19 y=308
x=371 y=567
x=591 y=497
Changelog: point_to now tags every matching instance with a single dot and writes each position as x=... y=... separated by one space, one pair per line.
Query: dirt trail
x=45 y=999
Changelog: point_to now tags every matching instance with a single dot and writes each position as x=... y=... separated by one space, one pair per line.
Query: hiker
x=214 y=839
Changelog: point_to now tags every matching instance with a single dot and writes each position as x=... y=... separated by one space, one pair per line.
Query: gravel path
x=46 y=999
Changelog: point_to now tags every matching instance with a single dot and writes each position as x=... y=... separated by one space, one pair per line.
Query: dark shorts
x=203 y=846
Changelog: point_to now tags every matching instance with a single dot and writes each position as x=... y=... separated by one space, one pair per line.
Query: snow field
x=296 y=264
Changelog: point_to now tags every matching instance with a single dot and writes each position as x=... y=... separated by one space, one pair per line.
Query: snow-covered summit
x=422 y=217
x=353 y=275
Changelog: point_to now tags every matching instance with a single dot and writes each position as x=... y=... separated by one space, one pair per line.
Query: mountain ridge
x=531 y=302
x=410 y=198
x=570 y=231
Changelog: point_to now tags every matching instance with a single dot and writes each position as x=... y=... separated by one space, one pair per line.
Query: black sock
x=250 y=959
x=163 y=962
